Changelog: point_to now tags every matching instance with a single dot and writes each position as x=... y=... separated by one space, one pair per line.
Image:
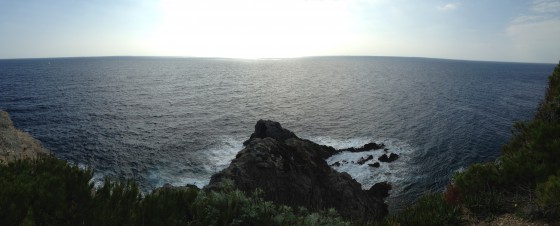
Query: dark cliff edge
x=293 y=171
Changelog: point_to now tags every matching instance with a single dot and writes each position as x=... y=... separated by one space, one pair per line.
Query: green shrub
x=428 y=210
x=533 y=154
x=477 y=178
x=167 y=206
x=232 y=207
x=548 y=196
x=44 y=191
x=48 y=191
x=114 y=204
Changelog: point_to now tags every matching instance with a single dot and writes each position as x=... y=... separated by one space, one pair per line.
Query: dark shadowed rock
x=380 y=189
x=383 y=158
x=372 y=146
x=393 y=157
x=388 y=158
x=336 y=164
x=272 y=129
x=376 y=165
x=366 y=147
x=363 y=160
x=293 y=172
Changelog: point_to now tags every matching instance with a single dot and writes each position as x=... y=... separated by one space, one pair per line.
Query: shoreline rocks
x=366 y=147
x=293 y=171
x=388 y=158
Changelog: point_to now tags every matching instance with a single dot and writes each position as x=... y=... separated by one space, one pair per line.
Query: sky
x=496 y=30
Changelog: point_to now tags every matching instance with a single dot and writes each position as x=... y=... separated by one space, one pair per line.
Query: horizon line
x=269 y=58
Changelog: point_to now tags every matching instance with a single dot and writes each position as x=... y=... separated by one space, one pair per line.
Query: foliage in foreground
x=430 y=210
x=528 y=167
x=48 y=191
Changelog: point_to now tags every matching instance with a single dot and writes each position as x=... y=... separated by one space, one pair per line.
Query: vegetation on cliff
x=16 y=144
x=525 y=179
x=48 y=191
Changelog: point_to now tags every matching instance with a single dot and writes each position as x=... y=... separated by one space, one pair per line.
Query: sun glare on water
x=252 y=29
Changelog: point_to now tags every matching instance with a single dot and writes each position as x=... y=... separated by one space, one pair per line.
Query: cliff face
x=293 y=171
x=16 y=144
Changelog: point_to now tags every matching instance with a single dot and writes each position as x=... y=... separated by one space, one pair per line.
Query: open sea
x=164 y=120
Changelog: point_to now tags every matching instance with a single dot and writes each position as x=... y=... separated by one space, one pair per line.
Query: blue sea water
x=179 y=120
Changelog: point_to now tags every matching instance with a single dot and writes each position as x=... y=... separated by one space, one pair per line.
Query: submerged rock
x=373 y=146
x=366 y=147
x=376 y=165
x=388 y=158
x=363 y=160
x=293 y=171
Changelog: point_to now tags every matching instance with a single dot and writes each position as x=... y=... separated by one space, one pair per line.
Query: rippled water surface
x=179 y=120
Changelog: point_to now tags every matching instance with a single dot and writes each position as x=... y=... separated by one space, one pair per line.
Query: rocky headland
x=293 y=171
x=16 y=144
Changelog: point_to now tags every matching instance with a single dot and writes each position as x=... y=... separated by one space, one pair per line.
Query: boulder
x=363 y=160
x=376 y=165
x=293 y=171
x=388 y=158
x=372 y=146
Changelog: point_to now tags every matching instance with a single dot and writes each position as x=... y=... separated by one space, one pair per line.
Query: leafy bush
x=45 y=190
x=428 y=210
x=114 y=204
x=232 y=207
x=548 y=196
x=477 y=178
x=48 y=191
x=167 y=206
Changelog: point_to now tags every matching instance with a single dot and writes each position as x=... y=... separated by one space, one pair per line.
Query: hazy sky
x=496 y=30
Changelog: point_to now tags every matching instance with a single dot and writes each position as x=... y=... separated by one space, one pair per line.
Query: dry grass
x=16 y=144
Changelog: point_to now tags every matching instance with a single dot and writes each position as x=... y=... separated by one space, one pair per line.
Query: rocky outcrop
x=272 y=129
x=388 y=158
x=366 y=147
x=375 y=165
x=363 y=160
x=16 y=144
x=293 y=171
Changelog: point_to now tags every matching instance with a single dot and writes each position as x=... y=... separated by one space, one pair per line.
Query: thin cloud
x=448 y=7
x=539 y=11
x=536 y=33
x=546 y=6
x=527 y=19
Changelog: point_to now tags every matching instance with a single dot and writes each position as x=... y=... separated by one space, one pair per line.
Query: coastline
x=16 y=144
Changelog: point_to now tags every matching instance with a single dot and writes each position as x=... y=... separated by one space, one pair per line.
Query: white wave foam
x=97 y=179
x=342 y=144
x=212 y=161
x=160 y=177
x=220 y=157
x=396 y=173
